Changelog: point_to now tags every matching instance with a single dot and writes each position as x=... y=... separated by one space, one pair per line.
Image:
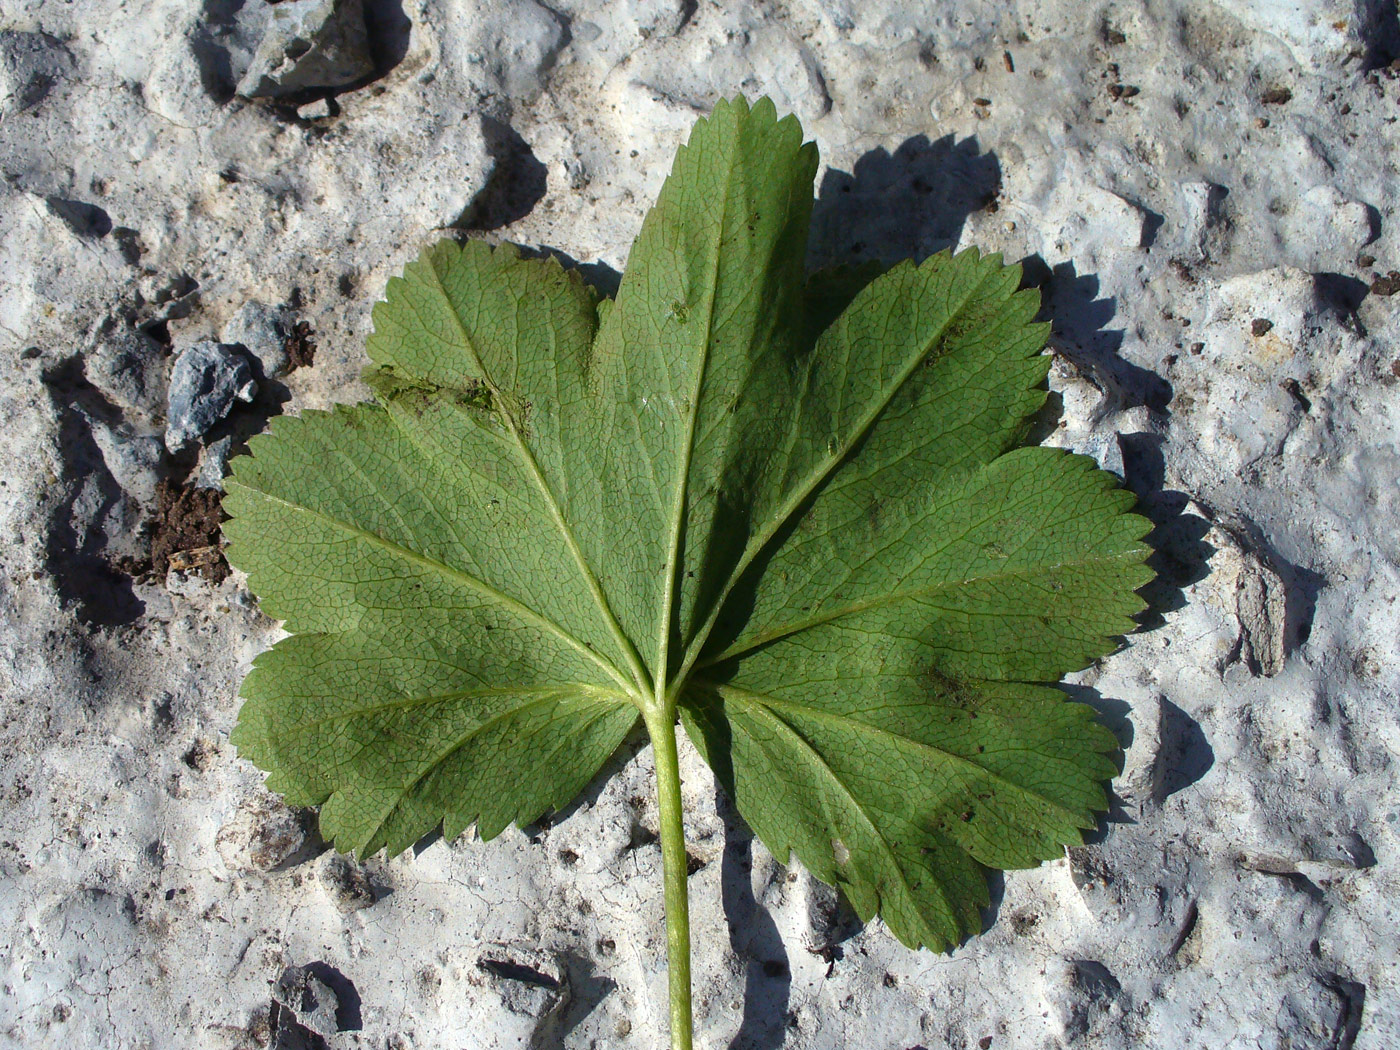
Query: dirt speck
x=186 y=534
x=1387 y=285
x=201 y=755
x=300 y=347
x=1276 y=96
x=1260 y=326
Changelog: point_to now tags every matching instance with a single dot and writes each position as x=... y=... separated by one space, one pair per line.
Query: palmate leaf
x=791 y=514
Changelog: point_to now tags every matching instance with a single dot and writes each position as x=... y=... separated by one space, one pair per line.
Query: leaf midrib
x=822 y=471
x=855 y=725
x=754 y=703
x=679 y=501
x=502 y=599
x=620 y=638
x=852 y=608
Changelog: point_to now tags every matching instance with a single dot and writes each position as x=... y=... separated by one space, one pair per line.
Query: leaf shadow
x=1115 y=716
x=602 y=278
x=754 y=938
x=1082 y=332
x=1080 y=321
x=93 y=504
x=907 y=204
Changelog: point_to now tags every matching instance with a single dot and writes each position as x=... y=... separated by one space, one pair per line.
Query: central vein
x=624 y=644
x=678 y=503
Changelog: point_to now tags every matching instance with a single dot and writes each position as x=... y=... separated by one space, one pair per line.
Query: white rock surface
x=1204 y=191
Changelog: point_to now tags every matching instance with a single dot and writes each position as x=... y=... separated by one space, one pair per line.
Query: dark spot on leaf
x=949 y=691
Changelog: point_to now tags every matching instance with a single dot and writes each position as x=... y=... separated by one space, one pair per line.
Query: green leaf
x=791 y=513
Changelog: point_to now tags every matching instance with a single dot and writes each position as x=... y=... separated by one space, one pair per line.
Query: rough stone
x=1329 y=230
x=348 y=883
x=213 y=463
x=1319 y=33
x=526 y=992
x=1245 y=587
x=309 y=45
x=261 y=331
x=509 y=46
x=206 y=380
x=310 y=1000
x=658 y=18
x=31 y=66
x=128 y=367
x=263 y=834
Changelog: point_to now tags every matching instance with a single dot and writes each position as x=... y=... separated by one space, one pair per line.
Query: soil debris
x=301 y=347
x=186 y=531
x=1387 y=285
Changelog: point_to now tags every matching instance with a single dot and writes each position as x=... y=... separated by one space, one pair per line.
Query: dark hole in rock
x=514 y=971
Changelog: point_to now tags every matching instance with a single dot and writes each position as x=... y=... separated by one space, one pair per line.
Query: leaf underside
x=796 y=506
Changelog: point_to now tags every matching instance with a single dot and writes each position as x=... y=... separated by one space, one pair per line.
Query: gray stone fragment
x=309 y=45
x=213 y=464
x=207 y=378
x=316 y=109
x=128 y=367
x=30 y=65
x=310 y=999
x=262 y=331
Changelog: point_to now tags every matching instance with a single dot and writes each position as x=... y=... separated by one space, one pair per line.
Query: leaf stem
x=661 y=725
